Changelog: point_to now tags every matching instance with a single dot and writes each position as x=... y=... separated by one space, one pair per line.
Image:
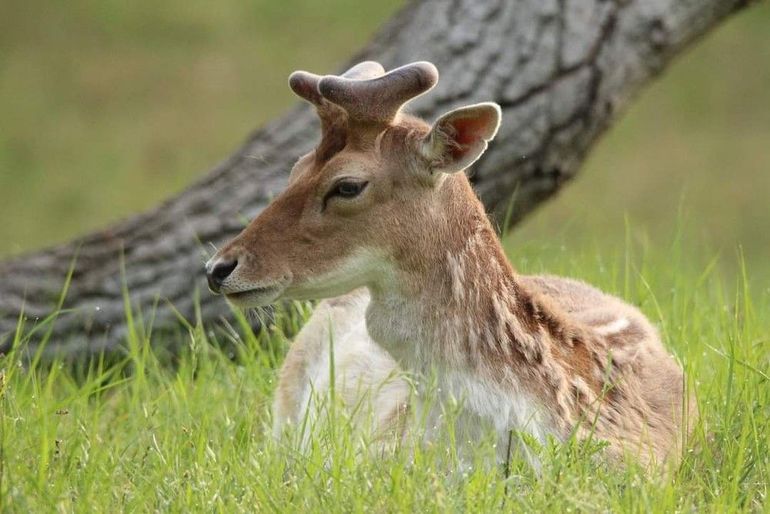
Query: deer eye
x=346 y=189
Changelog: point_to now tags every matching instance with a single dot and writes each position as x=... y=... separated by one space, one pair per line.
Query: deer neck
x=465 y=317
x=460 y=305
x=461 y=311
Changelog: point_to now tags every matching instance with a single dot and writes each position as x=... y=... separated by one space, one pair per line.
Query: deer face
x=367 y=201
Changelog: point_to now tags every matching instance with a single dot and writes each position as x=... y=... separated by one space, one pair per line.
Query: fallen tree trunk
x=561 y=70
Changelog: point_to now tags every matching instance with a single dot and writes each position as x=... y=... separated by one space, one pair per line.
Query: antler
x=305 y=84
x=333 y=117
x=378 y=99
x=354 y=106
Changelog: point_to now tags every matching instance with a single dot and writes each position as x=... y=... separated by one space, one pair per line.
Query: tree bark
x=560 y=69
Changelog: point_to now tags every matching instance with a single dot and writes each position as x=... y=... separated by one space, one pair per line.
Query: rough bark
x=560 y=69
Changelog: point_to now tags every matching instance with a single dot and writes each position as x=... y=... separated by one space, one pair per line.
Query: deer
x=381 y=222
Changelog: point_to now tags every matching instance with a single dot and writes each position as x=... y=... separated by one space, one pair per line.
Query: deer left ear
x=459 y=137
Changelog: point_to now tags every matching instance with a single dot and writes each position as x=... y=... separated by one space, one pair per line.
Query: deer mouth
x=256 y=296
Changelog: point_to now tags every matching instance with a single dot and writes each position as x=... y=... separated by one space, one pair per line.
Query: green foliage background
x=107 y=107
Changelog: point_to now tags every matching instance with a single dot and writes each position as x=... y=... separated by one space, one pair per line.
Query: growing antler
x=378 y=100
x=360 y=102
x=333 y=117
x=305 y=84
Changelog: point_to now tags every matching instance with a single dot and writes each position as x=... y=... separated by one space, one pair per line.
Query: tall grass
x=138 y=433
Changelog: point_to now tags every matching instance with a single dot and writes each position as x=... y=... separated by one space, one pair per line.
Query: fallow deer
x=383 y=203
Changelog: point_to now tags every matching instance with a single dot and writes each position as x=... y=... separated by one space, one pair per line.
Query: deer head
x=381 y=195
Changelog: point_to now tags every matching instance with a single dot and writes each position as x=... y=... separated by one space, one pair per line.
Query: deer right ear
x=459 y=137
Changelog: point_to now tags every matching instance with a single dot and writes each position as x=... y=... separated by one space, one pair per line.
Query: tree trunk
x=560 y=69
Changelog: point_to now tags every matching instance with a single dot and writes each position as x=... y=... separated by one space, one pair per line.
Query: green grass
x=139 y=433
x=110 y=106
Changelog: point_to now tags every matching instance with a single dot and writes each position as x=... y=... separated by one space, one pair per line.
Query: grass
x=112 y=106
x=139 y=433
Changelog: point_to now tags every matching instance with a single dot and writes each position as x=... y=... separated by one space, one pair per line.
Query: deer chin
x=255 y=296
x=361 y=268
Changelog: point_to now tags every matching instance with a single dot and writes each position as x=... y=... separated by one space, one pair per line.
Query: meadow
x=109 y=107
x=140 y=433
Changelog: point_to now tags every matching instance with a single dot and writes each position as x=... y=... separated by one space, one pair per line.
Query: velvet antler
x=305 y=84
x=333 y=117
x=356 y=105
x=378 y=99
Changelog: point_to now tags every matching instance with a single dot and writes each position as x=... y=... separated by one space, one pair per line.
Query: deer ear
x=459 y=137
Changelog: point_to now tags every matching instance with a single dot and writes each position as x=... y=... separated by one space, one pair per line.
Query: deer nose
x=218 y=273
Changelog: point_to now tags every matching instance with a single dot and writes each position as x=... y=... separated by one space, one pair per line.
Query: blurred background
x=108 y=107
